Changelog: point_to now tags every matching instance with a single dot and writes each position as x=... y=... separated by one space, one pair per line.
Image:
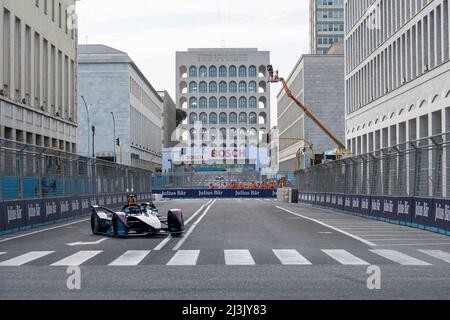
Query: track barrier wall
x=16 y=215
x=214 y=193
x=430 y=214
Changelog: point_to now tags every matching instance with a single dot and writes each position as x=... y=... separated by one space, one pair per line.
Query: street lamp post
x=88 y=125
x=114 y=136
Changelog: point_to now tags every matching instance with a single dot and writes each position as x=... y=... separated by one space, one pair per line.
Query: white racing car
x=135 y=219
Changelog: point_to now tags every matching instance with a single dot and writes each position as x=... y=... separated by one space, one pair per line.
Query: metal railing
x=28 y=172
x=419 y=168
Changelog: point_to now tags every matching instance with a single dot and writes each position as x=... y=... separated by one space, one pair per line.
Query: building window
x=213 y=118
x=223 y=103
x=193 y=103
x=192 y=87
x=212 y=72
x=203 y=118
x=203 y=103
x=213 y=103
x=233 y=87
x=252 y=118
x=252 y=71
x=213 y=87
x=192 y=118
x=193 y=72
x=203 y=71
x=252 y=87
x=242 y=72
x=233 y=133
x=243 y=103
x=203 y=87
x=242 y=87
x=223 y=133
x=233 y=118
x=223 y=118
x=223 y=87
x=253 y=103
x=233 y=103
x=242 y=118
x=222 y=71
x=232 y=72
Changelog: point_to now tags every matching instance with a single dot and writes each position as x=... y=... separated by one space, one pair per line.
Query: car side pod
x=175 y=222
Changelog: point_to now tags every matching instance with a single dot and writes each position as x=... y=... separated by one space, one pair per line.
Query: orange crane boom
x=275 y=78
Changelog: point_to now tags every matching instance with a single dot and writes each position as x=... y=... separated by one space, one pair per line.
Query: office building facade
x=318 y=82
x=110 y=82
x=326 y=24
x=397 y=72
x=38 y=73
x=227 y=98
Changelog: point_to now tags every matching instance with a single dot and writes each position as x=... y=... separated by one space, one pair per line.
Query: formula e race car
x=135 y=219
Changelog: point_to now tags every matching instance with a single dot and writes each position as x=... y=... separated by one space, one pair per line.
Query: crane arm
x=274 y=78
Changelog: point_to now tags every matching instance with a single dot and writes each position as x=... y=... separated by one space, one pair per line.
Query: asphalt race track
x=232 y=249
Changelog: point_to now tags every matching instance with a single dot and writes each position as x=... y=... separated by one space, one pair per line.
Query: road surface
x=232 y=249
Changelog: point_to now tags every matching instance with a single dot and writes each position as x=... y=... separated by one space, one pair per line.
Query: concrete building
x=169 y=120
x=326 y=24
x=227 y=98
x=318 y=82
x=38 y=73
x=111 y=82
x=397 y=72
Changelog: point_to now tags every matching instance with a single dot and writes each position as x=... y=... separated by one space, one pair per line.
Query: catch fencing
x=407 y=183
x=29 y=172
x=40 y=186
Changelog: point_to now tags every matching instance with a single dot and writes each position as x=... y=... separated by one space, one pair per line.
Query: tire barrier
x=16 y=215
x=214 y=193
x=430 y=214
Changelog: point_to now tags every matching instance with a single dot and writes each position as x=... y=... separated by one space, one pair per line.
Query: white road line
x=166 y=240
x=43 y=230
x=184 y=258
x=400 y=258
x=438 y=254
x=346 y=258
x=290 y=257
x=130 y=258
x=77 y=258
x=331 y=227
x=403 y=239
x=414 y=244
x=191 y=229
x=2 y=253
x=25 y=258
x=238 y=258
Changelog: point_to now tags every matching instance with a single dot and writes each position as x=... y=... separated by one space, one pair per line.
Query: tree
x=181 y=116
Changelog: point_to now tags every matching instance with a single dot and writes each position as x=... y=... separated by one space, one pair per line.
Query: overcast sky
x=151 y=31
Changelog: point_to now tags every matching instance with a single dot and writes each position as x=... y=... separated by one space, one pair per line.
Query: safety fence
x=205 y=180
x=408 y=183
x=29 y=172
x=40 y=186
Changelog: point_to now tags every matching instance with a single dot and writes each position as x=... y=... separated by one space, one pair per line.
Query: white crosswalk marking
x=238 y=258
x=130 y=258
x=25 y=258
x=184 y=258
x=77 y=258
x=400 y=258
x=346 y=258
x=290 y=257
x=438 y=254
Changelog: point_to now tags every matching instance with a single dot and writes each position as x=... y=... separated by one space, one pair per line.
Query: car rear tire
x=95 y=224
x=115 y=225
